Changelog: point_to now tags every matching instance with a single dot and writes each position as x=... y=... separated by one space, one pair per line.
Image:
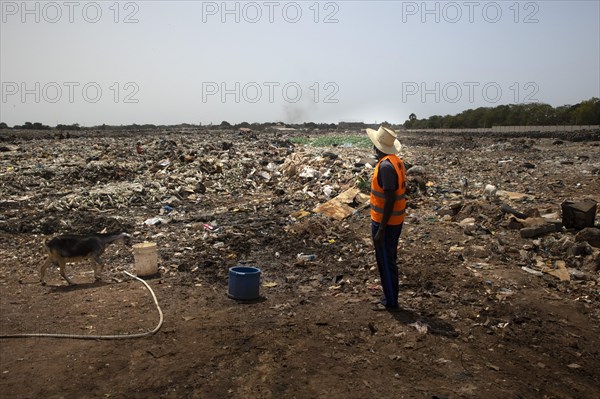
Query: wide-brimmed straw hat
x=385 y=139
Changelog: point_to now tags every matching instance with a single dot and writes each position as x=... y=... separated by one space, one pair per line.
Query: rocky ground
x=487 y=310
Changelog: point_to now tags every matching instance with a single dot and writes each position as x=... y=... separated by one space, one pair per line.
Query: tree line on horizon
x=135 y=126
x=534 y=114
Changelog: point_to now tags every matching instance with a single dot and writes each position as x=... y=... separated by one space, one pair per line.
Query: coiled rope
x=96 y=337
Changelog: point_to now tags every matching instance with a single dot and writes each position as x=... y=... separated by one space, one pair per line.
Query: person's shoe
x=379 y=308
x=382 y=308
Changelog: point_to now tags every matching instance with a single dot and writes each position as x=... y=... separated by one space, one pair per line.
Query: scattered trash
x=503 y=294
x=489 y=192
x=156 y=221
x=559 y=270
x=338 y=208
x=420 y=327
x=467 y=222
x=537 y=231
x=493 y=367
x=508 y=209
x=578 y=215
x=416 y=171
x=300 y=214
x=531 y=271
x=306 y=258
x=372 y=328
x=328 y=191
x=308 y=172
x=210 y=228
x=514 y=196
x=591 y=235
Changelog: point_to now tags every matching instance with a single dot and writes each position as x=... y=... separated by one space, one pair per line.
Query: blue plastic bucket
x=244 y=282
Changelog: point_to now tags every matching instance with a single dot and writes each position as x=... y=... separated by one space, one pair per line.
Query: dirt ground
x=473 y=323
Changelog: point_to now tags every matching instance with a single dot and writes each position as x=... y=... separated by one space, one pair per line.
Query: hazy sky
x=166 y=62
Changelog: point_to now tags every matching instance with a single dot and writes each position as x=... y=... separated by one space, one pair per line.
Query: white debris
x=489 y=192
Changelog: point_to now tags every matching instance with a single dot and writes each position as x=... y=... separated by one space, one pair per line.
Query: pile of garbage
x=214 y=199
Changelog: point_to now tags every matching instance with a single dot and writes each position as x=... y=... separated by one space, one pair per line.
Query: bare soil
x=472 y=323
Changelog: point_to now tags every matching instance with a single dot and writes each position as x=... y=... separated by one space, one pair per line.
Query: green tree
x=588 y=112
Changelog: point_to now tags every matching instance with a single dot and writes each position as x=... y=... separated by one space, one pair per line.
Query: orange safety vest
x=378 y=198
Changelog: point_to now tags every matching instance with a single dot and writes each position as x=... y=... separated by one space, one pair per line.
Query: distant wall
x=515 y=129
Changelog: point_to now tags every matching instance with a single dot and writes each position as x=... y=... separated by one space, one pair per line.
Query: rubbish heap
x=212 y=199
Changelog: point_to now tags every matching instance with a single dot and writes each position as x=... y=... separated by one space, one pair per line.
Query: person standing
x=388 y=207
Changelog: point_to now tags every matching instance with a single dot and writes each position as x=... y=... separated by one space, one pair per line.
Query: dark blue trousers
x=387 y=256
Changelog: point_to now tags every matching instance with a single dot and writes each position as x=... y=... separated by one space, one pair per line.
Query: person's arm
x=388 y=207
x=389 y=180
